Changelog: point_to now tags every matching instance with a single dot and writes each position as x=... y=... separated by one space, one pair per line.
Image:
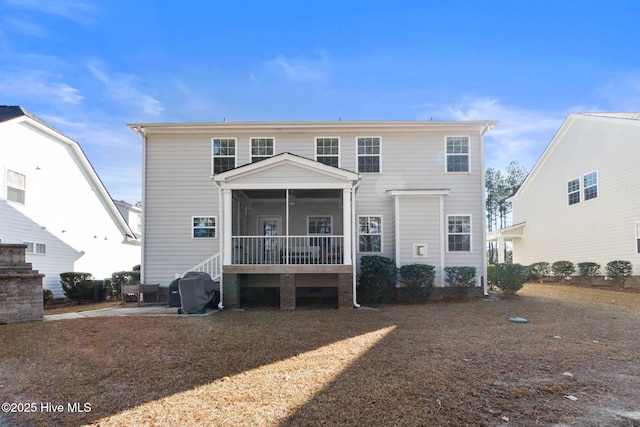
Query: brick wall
x=20 y=286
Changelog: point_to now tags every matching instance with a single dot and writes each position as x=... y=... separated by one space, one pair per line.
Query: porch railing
x=211 y=265
x=316 y=250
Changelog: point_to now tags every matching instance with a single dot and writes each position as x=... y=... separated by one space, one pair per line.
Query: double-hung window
x=573 y=189
x=36 y=248
x=370 y=233
x=369 y=154
x=262 y=148
x=224 y=154
x=459 y=233
x=457 y=153
x=590 y=181
x=203 y=227
x=16 y=187
x=319 y=225
x=328 y=151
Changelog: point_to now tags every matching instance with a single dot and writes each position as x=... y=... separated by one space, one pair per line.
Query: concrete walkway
x=127 y=310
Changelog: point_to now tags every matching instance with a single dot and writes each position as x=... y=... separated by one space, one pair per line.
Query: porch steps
x=211 y=266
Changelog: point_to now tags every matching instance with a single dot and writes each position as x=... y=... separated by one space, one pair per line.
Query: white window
x=16 y=187
x=328 y=151
x=223 y=154
x=590 y=181
x=262 y=148
x=638 y=237
x=370 y=233
x=203 y=227
x=573 y=189
x=369 y=154
x=459 y=233
x=457 y=153
x=36 y=248
x=319 y=224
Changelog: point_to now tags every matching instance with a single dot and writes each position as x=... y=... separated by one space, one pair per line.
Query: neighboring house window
x=262 y=148
x=36 y=248
x=368 y=155
x=459 y=233
x=573 y=188
x=16 y=186
x=203 y=226
x=590 y=186
x=457 y=154
x=370 y=234
x=328 y=151
x=319 y=224
x=224 y=154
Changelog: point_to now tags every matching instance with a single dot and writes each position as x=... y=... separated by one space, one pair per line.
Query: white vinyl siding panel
x=419 y=223
x=597 y=230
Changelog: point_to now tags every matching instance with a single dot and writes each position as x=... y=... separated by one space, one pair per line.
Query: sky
x=89 y=67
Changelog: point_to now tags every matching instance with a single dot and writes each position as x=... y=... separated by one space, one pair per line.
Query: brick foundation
x=20 y=287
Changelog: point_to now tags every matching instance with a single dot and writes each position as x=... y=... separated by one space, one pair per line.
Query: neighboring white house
x=581 y=201
x=294 y=205
x=132 y=215
x=52 y=200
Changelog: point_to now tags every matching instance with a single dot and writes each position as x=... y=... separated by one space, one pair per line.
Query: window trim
x=447 y=154
x=213 y=156
x=358 y=155
x=638 y=237
x=32 y=248
x=251 y=156
x=584 y=187
x=577 y=191
x=315 y=149
x=9 y=185
x=470 y=233
x=214 y=227
x=320 y=216
x=381 y=234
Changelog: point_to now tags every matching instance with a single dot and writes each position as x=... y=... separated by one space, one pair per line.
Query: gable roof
x=342 y=177
x=24 y=118
x=564 y=128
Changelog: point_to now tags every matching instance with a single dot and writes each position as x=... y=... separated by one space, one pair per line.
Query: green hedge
x=418 y=279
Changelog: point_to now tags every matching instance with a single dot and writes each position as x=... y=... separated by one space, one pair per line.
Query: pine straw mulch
x=437 y=364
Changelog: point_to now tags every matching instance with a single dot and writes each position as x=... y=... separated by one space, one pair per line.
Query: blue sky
x=90 y=67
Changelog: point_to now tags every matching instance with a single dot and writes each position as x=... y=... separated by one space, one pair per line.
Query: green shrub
x=618 y=271
x=588 y=271
x=563 y=269
x=377 y=278
x=461 y=279
x=418 y=279
x=47 y=296
x=120 y=278
x=77 y=286
x=539 y=270
x=509 y=278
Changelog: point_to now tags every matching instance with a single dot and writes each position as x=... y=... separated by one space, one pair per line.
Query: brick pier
x=20 y=287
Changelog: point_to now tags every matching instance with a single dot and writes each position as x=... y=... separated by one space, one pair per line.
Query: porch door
x=270 y=227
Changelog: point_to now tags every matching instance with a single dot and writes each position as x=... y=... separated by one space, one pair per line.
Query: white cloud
x=38 y=85
x=25 y=26
x=301 y=69
x=123 y=89
x=79 y=11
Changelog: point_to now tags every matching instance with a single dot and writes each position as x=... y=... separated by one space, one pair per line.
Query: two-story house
x=52 y=199
x=581 y=200
x=294 y=205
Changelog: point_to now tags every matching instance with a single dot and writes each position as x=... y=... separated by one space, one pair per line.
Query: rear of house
x=581 y=201
x=292 y=206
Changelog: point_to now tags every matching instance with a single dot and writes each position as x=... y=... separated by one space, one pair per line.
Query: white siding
x=597 y=230
x=61 y=210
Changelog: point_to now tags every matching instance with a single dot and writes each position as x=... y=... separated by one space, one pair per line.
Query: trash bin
x=173 y=298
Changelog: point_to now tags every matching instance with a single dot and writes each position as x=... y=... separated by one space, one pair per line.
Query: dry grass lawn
x=576 y=362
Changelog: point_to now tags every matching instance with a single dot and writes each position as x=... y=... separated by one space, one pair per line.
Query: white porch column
x=227 y=226
x=346 y=225
x=500 y=248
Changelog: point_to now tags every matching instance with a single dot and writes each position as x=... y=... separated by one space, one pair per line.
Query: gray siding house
x=294 y=205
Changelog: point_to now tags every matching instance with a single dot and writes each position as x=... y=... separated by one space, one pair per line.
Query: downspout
x=221 y=244
x=143 y=223
x=353 y=243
